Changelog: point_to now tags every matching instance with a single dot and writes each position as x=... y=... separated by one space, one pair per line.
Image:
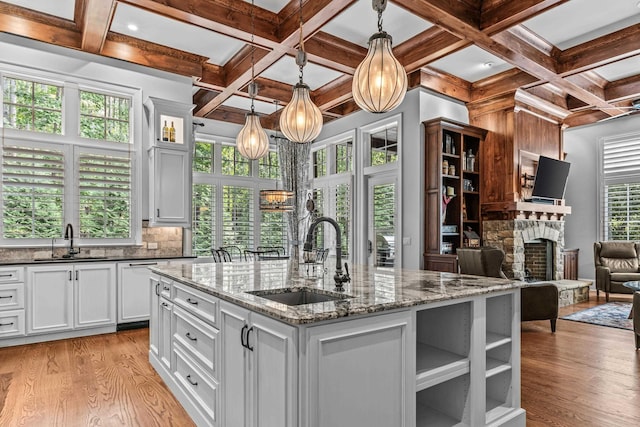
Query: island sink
x=299 y=296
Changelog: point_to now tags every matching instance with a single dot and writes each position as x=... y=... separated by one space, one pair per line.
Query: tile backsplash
x=156 y=242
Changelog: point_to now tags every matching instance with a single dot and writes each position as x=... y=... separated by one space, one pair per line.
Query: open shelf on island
x=499 y=398
x=435 y=408
x=434 y=365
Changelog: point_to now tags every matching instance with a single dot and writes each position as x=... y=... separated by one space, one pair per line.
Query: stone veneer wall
x=510 y=235
x=166 y=240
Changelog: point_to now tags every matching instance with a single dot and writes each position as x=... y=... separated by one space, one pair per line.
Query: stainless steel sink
x=299 y=296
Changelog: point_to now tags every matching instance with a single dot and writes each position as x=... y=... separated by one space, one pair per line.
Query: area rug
x=611 y=314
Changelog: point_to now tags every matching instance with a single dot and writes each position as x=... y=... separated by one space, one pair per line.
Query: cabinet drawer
x=11 y=296
x=11 y=323
x=165 y=287
x=196 y=302
x=202 y=390
x=199 y=339
x=11 y=274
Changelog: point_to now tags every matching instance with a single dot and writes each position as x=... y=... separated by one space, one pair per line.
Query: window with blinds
x=621 y=188
x=32 y=193
x=203 y=224
x=237 y=216
x=273 y=230
x=318 y=234
x=104 y=186
x=342 y=194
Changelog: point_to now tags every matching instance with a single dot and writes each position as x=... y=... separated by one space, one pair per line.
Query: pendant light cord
x=252 y=88
x=301 y=57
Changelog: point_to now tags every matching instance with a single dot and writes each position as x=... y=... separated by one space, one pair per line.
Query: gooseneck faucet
x=68 y=235
x=339 y=277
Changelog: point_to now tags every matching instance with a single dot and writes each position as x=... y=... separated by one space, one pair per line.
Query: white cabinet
x=169 y=162
x=70 y=296
x=160 y=321
x=259 y=369
x=12 y=319
x=358 y=372
x=134 y=304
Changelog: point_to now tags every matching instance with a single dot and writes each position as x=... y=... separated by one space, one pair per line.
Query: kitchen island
x=396 y=348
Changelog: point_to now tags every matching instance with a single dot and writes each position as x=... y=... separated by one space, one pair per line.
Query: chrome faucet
x=339 y=277
x=68 y=235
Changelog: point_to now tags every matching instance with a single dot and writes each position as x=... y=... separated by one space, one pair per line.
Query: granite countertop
x=82 y=258
x=371 y=290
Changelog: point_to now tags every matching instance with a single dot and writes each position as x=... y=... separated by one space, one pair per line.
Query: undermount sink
x=63 y=258
x=299 y=296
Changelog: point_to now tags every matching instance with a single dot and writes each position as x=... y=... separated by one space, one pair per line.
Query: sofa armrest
x=603 y=278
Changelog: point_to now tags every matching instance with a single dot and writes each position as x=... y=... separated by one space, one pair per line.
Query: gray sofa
x=616 y=263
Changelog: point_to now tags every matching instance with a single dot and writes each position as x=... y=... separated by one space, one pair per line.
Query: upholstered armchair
x=616 y=263
x=538 y=301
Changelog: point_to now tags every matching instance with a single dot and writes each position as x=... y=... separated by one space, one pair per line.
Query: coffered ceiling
x=578 y=60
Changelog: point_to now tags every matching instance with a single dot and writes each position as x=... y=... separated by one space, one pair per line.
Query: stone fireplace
x=528 y=245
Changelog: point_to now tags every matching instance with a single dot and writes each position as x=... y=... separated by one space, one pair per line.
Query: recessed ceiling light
x=132 y=27
x=488 y=64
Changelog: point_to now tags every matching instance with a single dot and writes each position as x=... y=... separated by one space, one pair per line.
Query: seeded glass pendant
x=380 y=81
x=252 y=141
x=301 y=120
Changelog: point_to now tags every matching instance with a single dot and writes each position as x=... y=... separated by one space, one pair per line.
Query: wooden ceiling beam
x=500 y=15
x=96 y=21
x=333 y=52
x=334 y=93
x=499 y=84
x=627 y=88
x=152 y=55
x=428 y=46
x=38 y=26
x=441 y=82
x=609 y=48
x=241 y=62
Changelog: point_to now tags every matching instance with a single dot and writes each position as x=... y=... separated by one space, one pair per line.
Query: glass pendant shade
x=252 y=141
x=380 y=81
x=301 y=119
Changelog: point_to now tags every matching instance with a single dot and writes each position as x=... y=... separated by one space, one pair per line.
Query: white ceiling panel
x=621 y=69
x=243 y=103
x=274 y=6
x=285 y=70
x=357 y=23
x=578 y=21
x=61 y=8
x=471 y=64
x=175 y=34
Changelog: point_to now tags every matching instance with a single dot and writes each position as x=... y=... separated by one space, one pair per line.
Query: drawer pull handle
x=6 y=324
x=8 y=296
x=6 y=275
x=165 y=288
x=164 y=304
x=142 y=264
x=195 y=383
x=249 y=346
x=191 y=301
x=188 y=335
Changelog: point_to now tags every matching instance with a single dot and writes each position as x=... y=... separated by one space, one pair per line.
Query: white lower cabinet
x=12 y=313
x=134 y=304
x=258 y=362
x=67 y=297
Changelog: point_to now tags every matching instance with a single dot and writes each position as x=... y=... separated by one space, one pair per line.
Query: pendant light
x=380 y=81
x=301 y=119
x=252 y=141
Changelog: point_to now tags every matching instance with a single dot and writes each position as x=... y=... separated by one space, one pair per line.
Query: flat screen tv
x=551 y=179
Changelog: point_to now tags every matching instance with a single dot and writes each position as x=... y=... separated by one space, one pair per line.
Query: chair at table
x=538 y=301
x=276 y=250
x=220 y=255
x=234 y=252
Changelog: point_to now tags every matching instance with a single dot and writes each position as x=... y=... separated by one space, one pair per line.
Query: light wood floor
x=583 y=375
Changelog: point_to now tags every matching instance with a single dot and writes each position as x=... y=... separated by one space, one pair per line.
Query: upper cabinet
x=169 y=153
x=452 y=191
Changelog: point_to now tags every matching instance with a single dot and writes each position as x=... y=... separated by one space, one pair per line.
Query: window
x=104 y=117
x=105 y=195
x=320 y=163
x=344 y=156
x=48 y=182
x=318 y=233
x=268 y=166
x=237 y=216
x=273 y=230
x=32 y=193
x=233 y=163
x=204 y=214
x=203 y=157
x=621 y=188
x=343 y=215
x=384 y=146
x=31 y=105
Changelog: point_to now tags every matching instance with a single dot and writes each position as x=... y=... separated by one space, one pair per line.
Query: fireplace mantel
x=524 y=210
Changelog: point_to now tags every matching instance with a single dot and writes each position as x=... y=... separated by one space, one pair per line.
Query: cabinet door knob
x=188 y=335
x=192 y=382
x=248 y=332
x=242 y=336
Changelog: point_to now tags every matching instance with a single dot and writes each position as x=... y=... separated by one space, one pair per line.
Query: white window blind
x=104 y=195
x=237 y=216
x=204 y=219
x=342 y=194
x=32 y=192
x=621 y=189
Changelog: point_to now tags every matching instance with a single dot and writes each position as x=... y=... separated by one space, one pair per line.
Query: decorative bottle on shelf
x=172 y=133
x=165 y=132
x=471 y=161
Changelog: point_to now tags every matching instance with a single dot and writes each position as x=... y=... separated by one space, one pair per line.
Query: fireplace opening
x=539 y=260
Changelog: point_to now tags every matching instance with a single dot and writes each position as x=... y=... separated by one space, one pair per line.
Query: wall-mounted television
x=551 y=179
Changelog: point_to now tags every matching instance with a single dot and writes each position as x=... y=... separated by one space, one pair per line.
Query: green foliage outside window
x=203 y=157
x=104 y=117
x=203 y=225
x=268 y=166
x=273 y=229
x=233 y=163
x=237 y=216
x=32 y=106
x=320 y=163
x=344 y=157
x=623 y=212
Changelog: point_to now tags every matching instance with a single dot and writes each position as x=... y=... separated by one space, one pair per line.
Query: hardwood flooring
x=103 y=380
x=583 y=375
